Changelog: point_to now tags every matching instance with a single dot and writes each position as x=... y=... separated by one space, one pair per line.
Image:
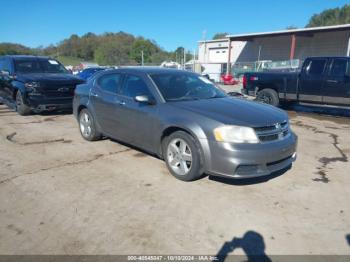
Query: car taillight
x=244 y=81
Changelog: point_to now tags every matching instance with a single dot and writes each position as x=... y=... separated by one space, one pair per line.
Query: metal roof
x=308 y=30
x=213 y=40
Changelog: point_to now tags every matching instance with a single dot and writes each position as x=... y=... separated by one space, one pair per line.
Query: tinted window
x=135 y=86
x=39 y=66
x=110 y=83
x=339 y=68
x=316 y=67
x=5 y=65
x=182 y=86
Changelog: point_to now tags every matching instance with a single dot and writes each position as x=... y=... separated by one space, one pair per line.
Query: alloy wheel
x=179 y=156
x=85 y=124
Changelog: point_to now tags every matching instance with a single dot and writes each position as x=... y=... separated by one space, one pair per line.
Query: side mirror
x=144 y=100
x=5 y=73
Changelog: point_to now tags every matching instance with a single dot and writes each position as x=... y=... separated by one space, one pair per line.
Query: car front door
x=312 y=79
x=104 y=100
x=337 y=84
x=5 y=79
x=138 y=119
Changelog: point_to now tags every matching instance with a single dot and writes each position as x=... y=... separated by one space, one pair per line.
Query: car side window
x=110 y=83
x=135 y=86
x=316 y=66
x=339 y=68
x=5 y=65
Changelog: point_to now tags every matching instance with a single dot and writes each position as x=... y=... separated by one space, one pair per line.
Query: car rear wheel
x=183 y=156
x=21 y=108
x=87 y=126
x=268 y=96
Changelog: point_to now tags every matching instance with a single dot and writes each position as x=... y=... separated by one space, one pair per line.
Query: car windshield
x=183 y=86
x=39 y=66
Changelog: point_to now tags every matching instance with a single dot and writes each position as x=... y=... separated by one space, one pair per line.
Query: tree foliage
x=14 y=49
x=334 y=16
x=106 y=49
x=220 y=36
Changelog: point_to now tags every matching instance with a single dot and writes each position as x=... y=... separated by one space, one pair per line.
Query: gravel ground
x=62 y=195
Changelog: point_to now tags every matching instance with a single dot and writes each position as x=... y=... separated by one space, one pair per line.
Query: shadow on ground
x=319 y=110
x=252 y=243
x=249 y=181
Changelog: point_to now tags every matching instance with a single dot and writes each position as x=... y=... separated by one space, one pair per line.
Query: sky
x=171 y=23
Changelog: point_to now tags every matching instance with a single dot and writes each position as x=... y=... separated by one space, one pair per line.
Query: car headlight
x=235 y=134
x=31 y=86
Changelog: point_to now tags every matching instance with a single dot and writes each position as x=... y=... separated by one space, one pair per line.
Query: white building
x=216 y=51
x=277 y=45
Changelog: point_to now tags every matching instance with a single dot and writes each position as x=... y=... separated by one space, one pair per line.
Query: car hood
x=235 y=111
x=49 y=77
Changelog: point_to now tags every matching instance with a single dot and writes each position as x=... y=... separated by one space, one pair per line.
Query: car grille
x=272 y=132
x=58 y=90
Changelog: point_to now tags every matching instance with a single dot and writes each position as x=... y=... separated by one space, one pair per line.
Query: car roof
x=150 y=70
x=29 y=57
x=327 y=57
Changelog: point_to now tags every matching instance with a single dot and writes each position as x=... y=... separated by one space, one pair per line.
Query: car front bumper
x=250 y=160
x=39 y=103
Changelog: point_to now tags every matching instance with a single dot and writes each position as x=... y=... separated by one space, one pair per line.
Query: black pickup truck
x=322 y=80
x=36 y=83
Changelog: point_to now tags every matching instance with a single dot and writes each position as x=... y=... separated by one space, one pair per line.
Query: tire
x=176 y=158
x=21 y=108
x=87 y=126
x=268 y=96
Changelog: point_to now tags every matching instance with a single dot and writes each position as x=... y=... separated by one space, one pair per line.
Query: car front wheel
x=87 y=126
x=21 y=107
x=183 y=156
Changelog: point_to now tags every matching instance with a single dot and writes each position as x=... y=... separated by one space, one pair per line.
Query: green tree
x=111 y=53
x=15 y=49
x=141 y=45
x=334 y=16
x=220 y=35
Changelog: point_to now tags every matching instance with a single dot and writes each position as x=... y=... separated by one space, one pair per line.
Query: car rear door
x=312 y=79
x=138 y=119
x=104 y=100
x=337 y=84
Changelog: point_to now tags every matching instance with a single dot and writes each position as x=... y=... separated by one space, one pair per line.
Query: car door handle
x=121 y=103
x=94 y=94
x=332 y=81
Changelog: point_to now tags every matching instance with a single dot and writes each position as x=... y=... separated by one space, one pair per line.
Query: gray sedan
x=186 y=120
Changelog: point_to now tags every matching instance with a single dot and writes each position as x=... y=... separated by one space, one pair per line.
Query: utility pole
x=184 y=57
x=142 y=57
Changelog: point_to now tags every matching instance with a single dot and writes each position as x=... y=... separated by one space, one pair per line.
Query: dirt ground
x=62 y=195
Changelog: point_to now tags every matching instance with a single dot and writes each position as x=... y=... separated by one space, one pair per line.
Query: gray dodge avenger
x=186 y=120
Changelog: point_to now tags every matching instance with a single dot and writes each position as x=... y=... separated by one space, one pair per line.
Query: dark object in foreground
x=36 y=84
x=322 y=80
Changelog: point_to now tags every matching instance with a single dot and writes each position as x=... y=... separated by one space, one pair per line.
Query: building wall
x=217 y=52
x=276 y=48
